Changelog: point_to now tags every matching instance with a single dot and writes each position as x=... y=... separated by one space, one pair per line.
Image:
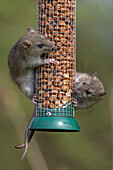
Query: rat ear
x=30 y=29
x=94 y=76
x=26 y=43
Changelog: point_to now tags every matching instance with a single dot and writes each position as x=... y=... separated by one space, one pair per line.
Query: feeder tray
x=56 y=19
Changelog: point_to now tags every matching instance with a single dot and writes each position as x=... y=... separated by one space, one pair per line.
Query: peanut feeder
x=56 y=19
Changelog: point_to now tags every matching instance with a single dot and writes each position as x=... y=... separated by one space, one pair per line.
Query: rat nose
x=103 y=93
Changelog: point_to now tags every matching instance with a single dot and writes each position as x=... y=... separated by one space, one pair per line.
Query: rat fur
x=87 y=90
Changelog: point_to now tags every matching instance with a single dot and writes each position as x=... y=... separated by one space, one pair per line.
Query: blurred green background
x=91 y=149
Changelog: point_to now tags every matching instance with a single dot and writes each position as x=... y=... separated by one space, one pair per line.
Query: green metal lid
x=54 y=124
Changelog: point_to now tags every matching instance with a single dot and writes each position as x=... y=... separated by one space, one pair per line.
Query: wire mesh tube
x=56 y=20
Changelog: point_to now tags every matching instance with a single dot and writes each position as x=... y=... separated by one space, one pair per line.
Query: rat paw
x=34 y=100
x=77 y=80
x=75 y=102
x=49 y=61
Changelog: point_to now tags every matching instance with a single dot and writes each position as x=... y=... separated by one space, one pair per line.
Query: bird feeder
x=56 y=20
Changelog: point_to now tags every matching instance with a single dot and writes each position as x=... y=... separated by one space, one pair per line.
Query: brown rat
x=87 y=91
x=25 y=56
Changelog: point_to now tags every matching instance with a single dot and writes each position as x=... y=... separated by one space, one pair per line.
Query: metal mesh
x=56 y=20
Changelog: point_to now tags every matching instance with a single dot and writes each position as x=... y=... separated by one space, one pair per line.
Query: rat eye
x=88 y=92
x=40 y=45
x=84 y=83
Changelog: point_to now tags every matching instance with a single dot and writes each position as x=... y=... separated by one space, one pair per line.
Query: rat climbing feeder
x=56 y=19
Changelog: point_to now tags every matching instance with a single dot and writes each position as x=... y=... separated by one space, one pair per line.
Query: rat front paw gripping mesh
x=56 y=20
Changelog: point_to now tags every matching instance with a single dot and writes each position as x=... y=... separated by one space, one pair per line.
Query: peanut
x=55 y=81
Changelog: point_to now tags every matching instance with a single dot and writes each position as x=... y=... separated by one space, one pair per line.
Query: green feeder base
x=58 y=124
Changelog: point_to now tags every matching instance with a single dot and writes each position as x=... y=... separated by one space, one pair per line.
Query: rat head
x=89 y=87
x=35 y=44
